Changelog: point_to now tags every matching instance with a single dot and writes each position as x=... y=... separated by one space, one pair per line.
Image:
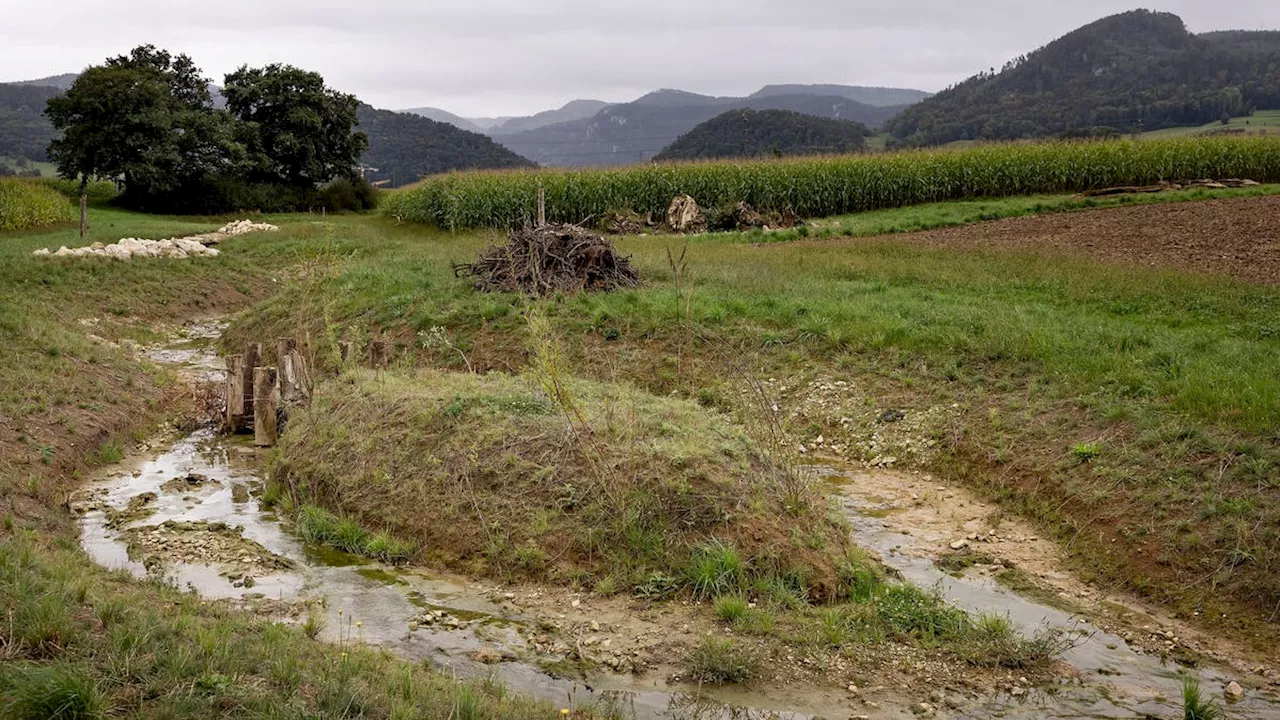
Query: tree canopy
x=147 y=120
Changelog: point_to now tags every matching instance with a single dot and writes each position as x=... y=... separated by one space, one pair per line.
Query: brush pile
x=550 y=259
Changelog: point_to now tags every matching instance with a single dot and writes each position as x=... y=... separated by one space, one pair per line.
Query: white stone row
x=176 y=248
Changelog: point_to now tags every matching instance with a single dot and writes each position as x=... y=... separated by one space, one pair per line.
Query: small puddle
x=1118 y=682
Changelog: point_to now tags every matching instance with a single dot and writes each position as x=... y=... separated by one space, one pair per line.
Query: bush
x=825 y=186
x=26 y=204
x=97 y=191
x=220 y=195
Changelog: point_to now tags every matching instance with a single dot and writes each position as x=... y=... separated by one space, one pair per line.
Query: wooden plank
x=286 y=361
x=266 y=397
x=252 y=360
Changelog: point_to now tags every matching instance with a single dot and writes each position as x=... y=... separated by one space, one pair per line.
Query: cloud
x=490 y=57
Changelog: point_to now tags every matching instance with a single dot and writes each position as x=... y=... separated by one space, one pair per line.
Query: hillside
x=445 y=116
x=403 y=147
x=754 y=133
x=639 y=130
x=1136 y=70
x=24 y=131
x=575 y=110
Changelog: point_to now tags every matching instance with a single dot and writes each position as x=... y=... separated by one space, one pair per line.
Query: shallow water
x=1126 y=684
x=385 y=600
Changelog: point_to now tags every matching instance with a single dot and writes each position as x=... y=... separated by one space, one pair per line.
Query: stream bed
x=188 y=506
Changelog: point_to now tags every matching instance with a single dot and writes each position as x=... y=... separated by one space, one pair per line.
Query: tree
x=302 y=130
x=139 y=119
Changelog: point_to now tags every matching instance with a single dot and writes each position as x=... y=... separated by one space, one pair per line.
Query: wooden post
x=378 y=354
x=235 y=392
x=286 y=352
x=265 y=398
x=252 y=359
x=542 y=206
x=344 y=350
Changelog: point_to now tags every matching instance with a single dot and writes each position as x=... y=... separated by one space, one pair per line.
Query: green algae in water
x=382 y=576
x=331 y=557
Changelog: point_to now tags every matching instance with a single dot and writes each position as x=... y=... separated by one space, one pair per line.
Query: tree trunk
x=84 y=205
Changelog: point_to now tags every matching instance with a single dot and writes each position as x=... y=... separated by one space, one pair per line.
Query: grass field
x=1262 y=122
x=46 y=169
x=1130 y=411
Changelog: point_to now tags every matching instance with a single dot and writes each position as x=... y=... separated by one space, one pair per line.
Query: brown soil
x=1239 y=238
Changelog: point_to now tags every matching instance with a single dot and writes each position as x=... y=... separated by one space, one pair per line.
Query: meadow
x=827 y=186
x=26 y=204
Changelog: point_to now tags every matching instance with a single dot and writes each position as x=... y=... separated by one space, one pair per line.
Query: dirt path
x=1239 y=238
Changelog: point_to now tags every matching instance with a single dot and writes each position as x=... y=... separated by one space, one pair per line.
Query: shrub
x=26 y=204
x=825 y=186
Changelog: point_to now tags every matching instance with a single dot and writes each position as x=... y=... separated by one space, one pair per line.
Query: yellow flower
x=359 y=623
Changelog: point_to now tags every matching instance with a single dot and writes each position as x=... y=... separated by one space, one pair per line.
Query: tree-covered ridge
x=1139 y=69
x=24 y=131
x=753 y=133
x=404 y=147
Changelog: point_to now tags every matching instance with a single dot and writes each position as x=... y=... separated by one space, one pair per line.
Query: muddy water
x=1117 y=680
x=385 y=601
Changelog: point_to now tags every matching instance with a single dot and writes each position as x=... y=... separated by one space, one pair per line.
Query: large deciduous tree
x=302 y=128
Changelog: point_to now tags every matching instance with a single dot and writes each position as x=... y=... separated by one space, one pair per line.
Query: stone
x=959 y=544
x=1234 y=691
x=684 y=215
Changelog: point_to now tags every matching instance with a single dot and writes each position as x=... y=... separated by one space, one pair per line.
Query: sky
x=515 y=57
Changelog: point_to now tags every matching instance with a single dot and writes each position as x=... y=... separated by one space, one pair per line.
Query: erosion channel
x=186 y=510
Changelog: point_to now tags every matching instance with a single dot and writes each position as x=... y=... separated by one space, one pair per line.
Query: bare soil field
x=1239 y=238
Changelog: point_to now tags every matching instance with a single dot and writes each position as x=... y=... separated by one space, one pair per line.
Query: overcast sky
x=501 y=57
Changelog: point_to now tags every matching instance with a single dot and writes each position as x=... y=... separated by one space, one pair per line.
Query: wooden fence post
x=252 y=359
x=235 y=392
x=286 y=352
x=344 y=350
x=542 y=206
x=266 y=397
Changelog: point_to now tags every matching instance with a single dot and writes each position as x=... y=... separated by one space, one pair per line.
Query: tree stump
x=266 y=396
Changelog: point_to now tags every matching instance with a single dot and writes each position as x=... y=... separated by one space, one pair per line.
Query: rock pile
x=175 y=248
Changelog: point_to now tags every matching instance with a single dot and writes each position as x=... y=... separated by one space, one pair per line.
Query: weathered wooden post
x=542 y=206
x=266 y=398
x=378 y=354
x=252 y=359
x=344 y=350
x=286 y=352
x=235 y=392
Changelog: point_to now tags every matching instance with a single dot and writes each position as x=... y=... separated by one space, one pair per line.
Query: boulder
x=684 y=215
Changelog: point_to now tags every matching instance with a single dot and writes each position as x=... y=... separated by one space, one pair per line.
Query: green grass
x=819 y=187
x=26 y=204
x=717 y=661
x=47 y=169
x=323 y=527
x=1195 y=706
x=1262 y=122
x=1176 y=376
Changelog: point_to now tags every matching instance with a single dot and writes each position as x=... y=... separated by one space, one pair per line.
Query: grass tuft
x=51 y=692
x=717 y=661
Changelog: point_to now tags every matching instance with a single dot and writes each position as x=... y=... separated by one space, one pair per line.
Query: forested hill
x=753 y=133
x=24 y=131
x=404 y=146
x=1137 y=69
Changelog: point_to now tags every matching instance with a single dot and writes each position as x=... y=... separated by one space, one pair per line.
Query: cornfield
x=835 y=185
x=30 y=204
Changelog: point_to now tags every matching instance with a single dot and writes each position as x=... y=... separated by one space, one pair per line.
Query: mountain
x=636 y=131
x=405 y=146
x=873 y=96
x=1139 y=69
x=445 y=116
x=753 y=133
x=62 y=82
x=24 y=130
x=575 y=110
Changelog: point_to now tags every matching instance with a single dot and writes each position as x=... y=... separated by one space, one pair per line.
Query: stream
x=388 y=602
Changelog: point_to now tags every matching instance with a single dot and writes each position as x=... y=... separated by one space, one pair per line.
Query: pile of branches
x=550 y=259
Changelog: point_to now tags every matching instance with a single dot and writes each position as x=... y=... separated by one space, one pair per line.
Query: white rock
x=1234 y=691
x=41 y=252
x=959 y=544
